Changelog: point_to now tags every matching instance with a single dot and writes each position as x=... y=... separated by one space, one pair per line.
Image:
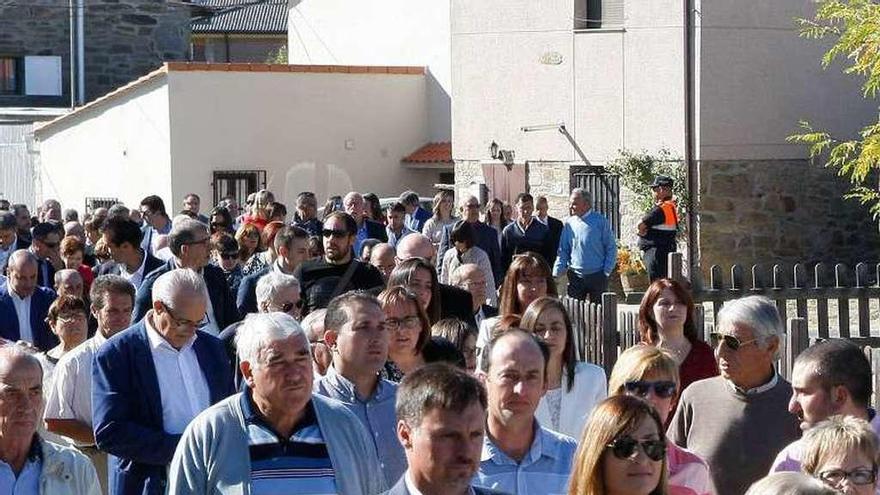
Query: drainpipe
x=690 y=166
x=81 y=52
x=72 y=56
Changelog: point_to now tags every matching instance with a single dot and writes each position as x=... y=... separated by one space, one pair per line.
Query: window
x=591 y=14
x=93 y=204
x=10 y=76
x=605 y=189
x=238 y=184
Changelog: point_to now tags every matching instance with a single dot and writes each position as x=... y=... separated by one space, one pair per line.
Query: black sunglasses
x=732 y=343
x=625 y=447
x=663 y=389
x=288 y=306
x=228 y=256
x=334 y=233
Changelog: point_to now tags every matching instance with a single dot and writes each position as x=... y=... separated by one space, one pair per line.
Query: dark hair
x=530 y=318
x=120 y=230
x=45 y=229
x=276 y=209
x=371 y=203
x=405 y=270
x=524 y=197
x=463 y=232
x=286 y=235
x=486 y=362
x=454 y=330
x=398 y=207
x=367 y=243
x=222 y=242
x=440 y=350
x=70 y=215
x=410 y=198
x=396 y=294
x=436 y=386
x=7 y=220
x=155 y=204
x=193 y=195
x=316 y=247
x=648 y=330
x=65 y=303
x=350 y=225
x=836 y=362
x=109 y=284
x=223 y=212
x=337 y=311
x=307 y=196
x=187 y=213
x=528 y=261
x=70 y=245
x=333 y=203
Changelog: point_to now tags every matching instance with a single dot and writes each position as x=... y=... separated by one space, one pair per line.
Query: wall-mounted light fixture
x=506 y=156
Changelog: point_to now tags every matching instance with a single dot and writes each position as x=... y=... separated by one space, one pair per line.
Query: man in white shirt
x=23 y=305
x=69 y=402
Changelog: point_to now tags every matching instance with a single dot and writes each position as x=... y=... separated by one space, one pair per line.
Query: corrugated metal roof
x=242 y=16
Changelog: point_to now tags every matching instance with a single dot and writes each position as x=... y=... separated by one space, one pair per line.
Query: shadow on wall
x=323 y=180
x=439 y=110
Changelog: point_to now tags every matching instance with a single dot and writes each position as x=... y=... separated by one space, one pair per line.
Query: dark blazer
x=218 y=291
x=418 y=218
x=555 y=226
x=313 y=226
x=487 y=240
x=21 y=243
x=489 y=311
x=45 y=274
x=41 y=299
x=376 y=230
x=246 y=301
x=114 y=268
x=456 y=303
x=400 y=489
x=127 y=407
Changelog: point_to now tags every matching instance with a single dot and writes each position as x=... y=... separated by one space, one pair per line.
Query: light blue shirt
x=28 y=480
x=377 y=414
x=587 y=246
x=543 y=471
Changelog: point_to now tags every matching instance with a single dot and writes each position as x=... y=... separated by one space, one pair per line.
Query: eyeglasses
x=228 y=256
x=732 y=343
x=334 y=233
x=288 y=306
x=408 y=322
x=625 y=447
x=186 y=323
x=663 y=389
x=858 y=476
x=71 y=317
x=195 y=243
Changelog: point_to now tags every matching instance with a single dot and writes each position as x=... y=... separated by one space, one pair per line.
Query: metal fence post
x=798 y=341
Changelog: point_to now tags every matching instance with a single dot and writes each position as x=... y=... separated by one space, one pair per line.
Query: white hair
x=177 y=281
x=272 y=283
x=261 y=329
x=314 y=321
x=756 y=312
x=462 y=201
x=584 y=194
x=13 y=351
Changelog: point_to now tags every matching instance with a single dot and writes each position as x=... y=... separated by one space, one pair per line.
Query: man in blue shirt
x=587 y=249
x=520 y=456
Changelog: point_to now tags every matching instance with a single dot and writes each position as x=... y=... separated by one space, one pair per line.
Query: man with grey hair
x=587 y=249
x=739 y=421
x=272 y=438
x=152 y=379
x=355 y=330
x=353 y=204
x=189 y=245
x=69 y=282
x=51 y=210
x=313 y=325
x=382 y=257
x=485 y=237
x=24 y=305
x=28 y=463
x=416 y=216
x=69 y=402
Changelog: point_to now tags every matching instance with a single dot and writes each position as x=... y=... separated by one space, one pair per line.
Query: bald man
x=24 y=305
x=382 y=257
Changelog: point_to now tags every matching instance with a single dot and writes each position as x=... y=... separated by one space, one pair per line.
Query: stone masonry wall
x=124 y=39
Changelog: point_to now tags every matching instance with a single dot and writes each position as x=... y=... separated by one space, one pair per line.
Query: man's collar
x=774 y=380
x=157 y=340
x=543 y=444
x=14 y=295
x=347 y=388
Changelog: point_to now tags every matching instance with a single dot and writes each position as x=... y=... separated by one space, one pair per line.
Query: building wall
x=379 y=32
x=119 y=150
x=297 y=127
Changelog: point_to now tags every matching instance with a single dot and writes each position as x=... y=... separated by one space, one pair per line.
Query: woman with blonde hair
x=248 y=238
x=410 y=331
x=842 y=452
x=443 y=216
x=622 y=451
x=651 y=373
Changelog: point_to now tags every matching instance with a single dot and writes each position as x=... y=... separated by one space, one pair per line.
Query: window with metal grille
x=238 y=184
x=10 y=76
x=605 y=190
x=591 y=14
x=93 y=204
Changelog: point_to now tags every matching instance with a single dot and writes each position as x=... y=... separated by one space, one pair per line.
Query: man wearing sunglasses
x=739 y=421
x=338 y=272
x=46 y=247
x=292 y=246
x=829 y=378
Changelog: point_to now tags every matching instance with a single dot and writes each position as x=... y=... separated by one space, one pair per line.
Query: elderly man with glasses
x=152 y=379
x=739 y=421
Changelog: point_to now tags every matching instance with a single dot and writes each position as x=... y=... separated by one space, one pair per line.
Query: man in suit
x=441 y=414
x=156 y=221
x=192 y=203
x=470 y=277
x=353 y=203
x=189 y=246
x=152 y=379
x=524 y=233
x=9 y=240
x=292 y=246
x=24 y=305
x=123 y=238
x=486 y=237
x=46 y=247
x=416 y=216
x=454 y=302
x=23 y=219
x=554 y=224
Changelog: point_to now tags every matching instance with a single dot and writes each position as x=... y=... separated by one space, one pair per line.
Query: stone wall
x=124 y=39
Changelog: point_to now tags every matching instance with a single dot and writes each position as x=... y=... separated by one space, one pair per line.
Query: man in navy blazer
x=353 y=203
x=416 y=216
x=189 y=245
x=21 y=293
x=152 y=379
x=487 y=238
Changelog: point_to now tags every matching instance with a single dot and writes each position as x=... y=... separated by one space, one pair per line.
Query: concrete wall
x=296 y=127
x=119 y=148
x=379 y=32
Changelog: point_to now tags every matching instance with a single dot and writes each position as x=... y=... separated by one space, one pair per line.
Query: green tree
x=854 y=27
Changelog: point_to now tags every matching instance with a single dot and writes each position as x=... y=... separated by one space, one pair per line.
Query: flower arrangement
x=629 y=261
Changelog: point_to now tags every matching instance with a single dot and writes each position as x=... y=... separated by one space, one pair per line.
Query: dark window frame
x=605 y=189
x=18 y=75
x=237 y=183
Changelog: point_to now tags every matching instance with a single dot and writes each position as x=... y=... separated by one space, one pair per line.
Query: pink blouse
x=688 y=474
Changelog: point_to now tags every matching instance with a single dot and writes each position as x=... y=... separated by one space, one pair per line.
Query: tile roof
x=431 y=153
x=241 y=16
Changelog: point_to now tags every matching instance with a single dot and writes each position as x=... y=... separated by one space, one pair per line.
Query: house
x=719 y=83
x=230 y=129
x=239 y=31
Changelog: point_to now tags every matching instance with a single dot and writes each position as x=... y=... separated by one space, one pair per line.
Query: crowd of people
x=401 y=351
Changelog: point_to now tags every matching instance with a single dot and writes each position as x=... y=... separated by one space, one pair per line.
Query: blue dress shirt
x=587 y=246
x=28 y=480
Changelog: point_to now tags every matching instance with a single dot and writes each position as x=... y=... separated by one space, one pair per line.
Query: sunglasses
x=858 y=476
x=732 y=343
x=663 y=389
x=625 y=447
x=334 y=233
x=228 y=256
x=288 y=306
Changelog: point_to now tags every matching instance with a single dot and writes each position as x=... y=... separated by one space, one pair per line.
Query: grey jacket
x=212 y=456
x=67 y=470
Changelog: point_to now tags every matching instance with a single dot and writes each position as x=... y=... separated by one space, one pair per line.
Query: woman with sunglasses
x=224 y=251
x=573 y=388
x=842 y=452
x=622 y=451
x=248 y=238
x=666 y=320
x=221 y=220
x=410 y=332
x=652 y=374
x=419 y=276
x=265 y=258
x=493 y=216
